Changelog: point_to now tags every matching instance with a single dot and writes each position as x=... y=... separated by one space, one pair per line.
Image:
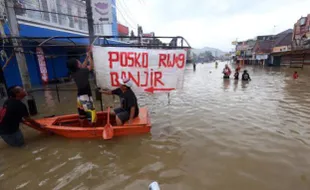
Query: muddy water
x=213 y=135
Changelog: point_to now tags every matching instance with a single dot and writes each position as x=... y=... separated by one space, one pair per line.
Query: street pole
x=20 y=57
x=139 y=34
x=91 y=33
x=90 y=21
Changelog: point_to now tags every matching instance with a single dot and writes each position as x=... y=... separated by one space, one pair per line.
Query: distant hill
x=214 y=51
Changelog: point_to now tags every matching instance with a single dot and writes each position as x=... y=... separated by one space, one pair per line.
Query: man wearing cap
x=129 y=105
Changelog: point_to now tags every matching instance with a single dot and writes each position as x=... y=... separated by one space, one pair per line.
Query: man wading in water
x=11 y=114
x=129 y=106
x=226 y=72
x=80 y=73
x=246 y=76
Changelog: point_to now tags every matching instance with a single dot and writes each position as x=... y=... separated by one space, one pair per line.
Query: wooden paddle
x=108 y=129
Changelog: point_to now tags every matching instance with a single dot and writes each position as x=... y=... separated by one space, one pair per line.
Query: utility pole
x=20 y=57
x=91 y=34
x=90 y=21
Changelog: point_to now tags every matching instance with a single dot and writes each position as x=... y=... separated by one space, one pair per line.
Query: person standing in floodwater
x=238 y=67
x=194 y=66
x=246 y=76
x=295 y=75
x=236 y=75
x=226 y=72
x=13 y=112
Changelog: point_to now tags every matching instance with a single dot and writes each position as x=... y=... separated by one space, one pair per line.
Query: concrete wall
x=281 y=49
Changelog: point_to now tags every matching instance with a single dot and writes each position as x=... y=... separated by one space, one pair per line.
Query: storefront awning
x=262 y=57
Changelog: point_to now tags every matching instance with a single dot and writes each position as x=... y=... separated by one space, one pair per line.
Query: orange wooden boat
x=69 y=125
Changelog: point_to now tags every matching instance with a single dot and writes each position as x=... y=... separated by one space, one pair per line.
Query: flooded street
x=215 y=134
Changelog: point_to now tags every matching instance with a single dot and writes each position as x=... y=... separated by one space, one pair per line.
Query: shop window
x=52 y=6
x=302 y=21
x=46 y=16
x=62 y=8
x=80 y=20
x=71 y=23
x=35 y=4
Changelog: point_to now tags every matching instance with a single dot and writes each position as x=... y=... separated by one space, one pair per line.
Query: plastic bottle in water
x=154 y=186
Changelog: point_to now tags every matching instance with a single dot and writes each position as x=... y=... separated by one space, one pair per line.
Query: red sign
x=124 y=30
x=42 y=65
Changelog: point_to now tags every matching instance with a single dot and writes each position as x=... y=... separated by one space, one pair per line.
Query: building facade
x=290 y=47
x=244 y=51
x=40 y=18
x=283 y=43
x=294 y=48
x=301 y=33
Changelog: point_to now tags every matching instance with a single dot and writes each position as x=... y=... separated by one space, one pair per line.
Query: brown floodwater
x=213 y=134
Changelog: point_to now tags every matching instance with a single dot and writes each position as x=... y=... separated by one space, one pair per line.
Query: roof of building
x=285 y=32
x=285 y=41
x=264 y=46
x=265 y=37
x=284 y=38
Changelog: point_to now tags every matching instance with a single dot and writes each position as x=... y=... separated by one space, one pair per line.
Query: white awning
x=262 y=56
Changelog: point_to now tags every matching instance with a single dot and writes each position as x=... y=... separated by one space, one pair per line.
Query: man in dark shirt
x=129 y=105
x=80 y=74
x=11 y=114
x=236 y=74
x=246 y=76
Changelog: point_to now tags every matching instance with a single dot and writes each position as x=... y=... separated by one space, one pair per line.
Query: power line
x=130 y=18
x=129 y=12
x=125 y=5
x=140 y=1
x=125 y=18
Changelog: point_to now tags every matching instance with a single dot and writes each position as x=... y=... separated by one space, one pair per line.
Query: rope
x=8 y=60
x=3 y=55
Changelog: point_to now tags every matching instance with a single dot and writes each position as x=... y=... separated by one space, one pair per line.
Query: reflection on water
x=244 y=84
x=212 y=134
x=236 y=82
x=226 y=83
x=50 y=102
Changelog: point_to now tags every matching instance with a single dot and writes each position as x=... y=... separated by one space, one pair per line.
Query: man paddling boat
x=129 y=105
x=80 y=73
x=12 y=113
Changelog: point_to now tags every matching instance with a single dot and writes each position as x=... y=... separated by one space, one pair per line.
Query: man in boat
x=80 y=74
x=129 y=105
x=11 y=114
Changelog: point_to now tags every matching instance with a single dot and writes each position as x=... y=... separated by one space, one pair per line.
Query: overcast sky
x=212 y=23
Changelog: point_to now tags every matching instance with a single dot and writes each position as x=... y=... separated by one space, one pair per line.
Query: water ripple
x=212 y=134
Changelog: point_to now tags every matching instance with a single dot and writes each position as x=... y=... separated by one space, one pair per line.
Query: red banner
x=124 y=30
x=42 y=65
